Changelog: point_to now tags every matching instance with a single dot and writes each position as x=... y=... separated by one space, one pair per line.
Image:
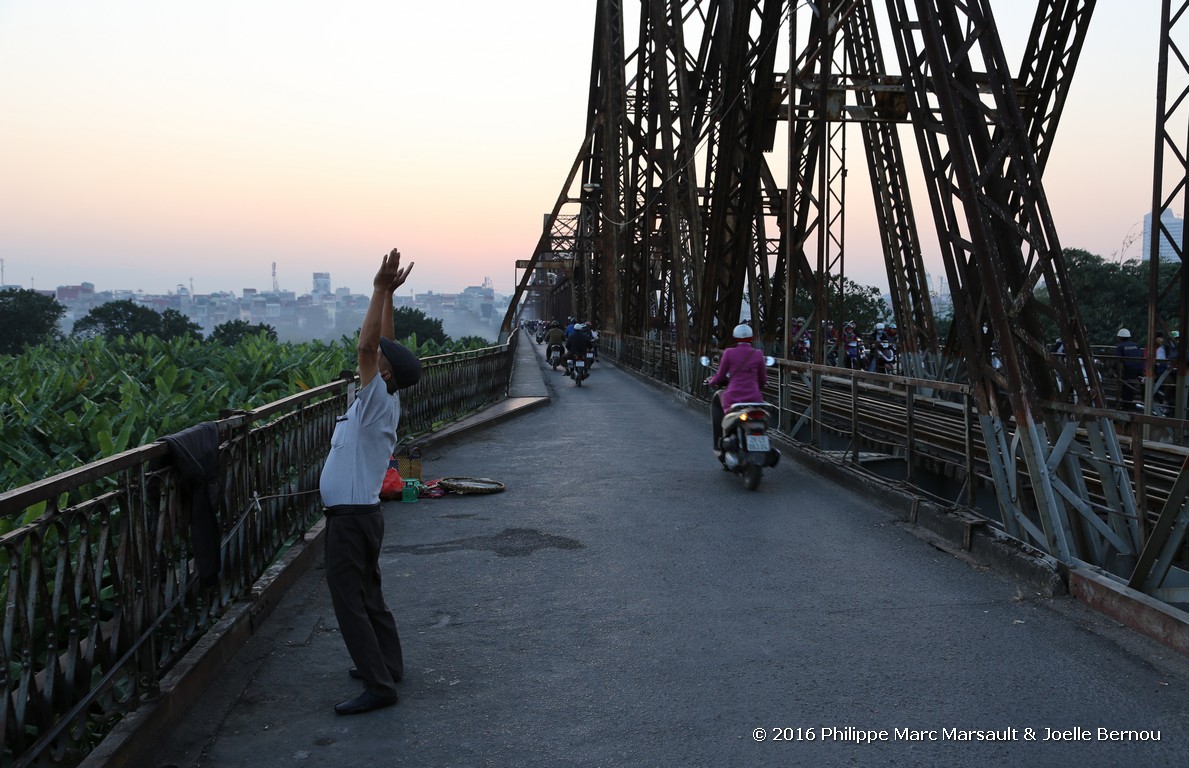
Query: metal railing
x=101 y=593
x=927 y=424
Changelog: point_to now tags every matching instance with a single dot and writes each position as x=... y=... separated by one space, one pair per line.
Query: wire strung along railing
x=101 y=591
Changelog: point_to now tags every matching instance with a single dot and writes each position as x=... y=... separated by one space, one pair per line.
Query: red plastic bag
x=393 y=484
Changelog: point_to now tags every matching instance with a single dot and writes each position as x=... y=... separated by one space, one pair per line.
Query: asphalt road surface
x=627 y=603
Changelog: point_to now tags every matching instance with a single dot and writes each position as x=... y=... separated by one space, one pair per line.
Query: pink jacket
x=748 y=373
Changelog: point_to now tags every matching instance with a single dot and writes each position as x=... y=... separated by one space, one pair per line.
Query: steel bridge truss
x=683 y=226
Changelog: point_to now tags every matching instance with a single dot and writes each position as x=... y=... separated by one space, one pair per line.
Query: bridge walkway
x=625 y=602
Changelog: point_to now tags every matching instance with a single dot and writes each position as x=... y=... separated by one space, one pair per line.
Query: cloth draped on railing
x=195 y=453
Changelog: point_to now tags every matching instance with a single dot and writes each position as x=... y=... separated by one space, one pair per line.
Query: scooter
x=554 y=355
x=746 y=448
x=883 y=358
x=579 y=370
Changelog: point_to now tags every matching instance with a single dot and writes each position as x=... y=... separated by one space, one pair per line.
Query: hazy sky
x=147 y=144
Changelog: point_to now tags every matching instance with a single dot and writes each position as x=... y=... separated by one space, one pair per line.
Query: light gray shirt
x=361 y=447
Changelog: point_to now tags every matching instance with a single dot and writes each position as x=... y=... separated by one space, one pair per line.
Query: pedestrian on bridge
x=1129 y=364
x=360 y=449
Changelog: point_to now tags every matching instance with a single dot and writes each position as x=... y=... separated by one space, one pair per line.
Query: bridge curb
x=964 y=534
x=971 y=537
x=130 y=742
x=1143 y=613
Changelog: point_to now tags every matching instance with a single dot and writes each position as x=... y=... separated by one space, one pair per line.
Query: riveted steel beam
x=999 y=244
x=1157 y=571
x=884 y=100
x=681 y=226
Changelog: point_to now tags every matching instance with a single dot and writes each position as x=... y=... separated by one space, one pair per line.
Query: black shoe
x=355 y=673
x=364 y=702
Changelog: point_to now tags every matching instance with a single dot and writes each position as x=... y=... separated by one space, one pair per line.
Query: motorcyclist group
x=742 y=371
x=573 y=340
x=878 y=353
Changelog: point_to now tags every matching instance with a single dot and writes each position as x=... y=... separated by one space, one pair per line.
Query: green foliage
x=126 y=318
x=175 y=325
x=28 y=319
x=1110 y=296
x=119 y=318
x=77 y=400
x=473 y=342
x=864 y=304
x=408 y=321
x=943 y=322
x=861 y=303
x=232 y=332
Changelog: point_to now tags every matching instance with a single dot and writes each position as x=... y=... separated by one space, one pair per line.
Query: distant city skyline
x=296 y=315
x=145 y=145
x=6 y=281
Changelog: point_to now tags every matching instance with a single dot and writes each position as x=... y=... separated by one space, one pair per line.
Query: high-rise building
x=1174 y=225
x=322 y=284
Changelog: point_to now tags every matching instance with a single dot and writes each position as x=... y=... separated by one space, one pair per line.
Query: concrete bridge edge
x=130 y=742
x=951 y=529
x=966 y=535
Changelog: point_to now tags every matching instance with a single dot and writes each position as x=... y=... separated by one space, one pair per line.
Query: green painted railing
x=100 y=590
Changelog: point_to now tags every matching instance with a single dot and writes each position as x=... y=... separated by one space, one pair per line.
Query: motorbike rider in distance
x=555 y=335
x=555 y=338
x=576 y=344
x=743 y=369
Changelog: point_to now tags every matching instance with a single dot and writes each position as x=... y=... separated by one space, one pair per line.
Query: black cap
x=406 y=368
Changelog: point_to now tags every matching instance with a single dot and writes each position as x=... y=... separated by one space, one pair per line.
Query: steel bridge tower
x=711 y=185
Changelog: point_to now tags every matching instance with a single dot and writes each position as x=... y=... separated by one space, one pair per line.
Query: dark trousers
x=353 y=577
x=1128 y=392
x=716 y=416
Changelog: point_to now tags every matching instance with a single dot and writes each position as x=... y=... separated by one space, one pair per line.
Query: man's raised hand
x=390 y=275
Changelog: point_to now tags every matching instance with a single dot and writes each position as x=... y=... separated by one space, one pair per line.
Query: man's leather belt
x=339 y=510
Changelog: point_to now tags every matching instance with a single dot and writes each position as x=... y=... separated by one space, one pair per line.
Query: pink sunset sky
x=153 y=144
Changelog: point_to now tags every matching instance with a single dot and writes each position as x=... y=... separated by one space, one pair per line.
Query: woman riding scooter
x=743 y=369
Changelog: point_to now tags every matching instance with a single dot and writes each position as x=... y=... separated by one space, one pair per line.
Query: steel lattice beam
x=1156 y=571
x=883 y=98
x=979 y=162
x=679 y=217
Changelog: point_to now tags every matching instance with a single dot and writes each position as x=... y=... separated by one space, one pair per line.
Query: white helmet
x=879 y=326
x=742 y=331
x=1124 y=333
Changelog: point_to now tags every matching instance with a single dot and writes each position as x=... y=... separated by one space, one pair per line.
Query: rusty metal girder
x=978 y=160
x=1156 y=571
x=1169 y=179
x=680 y=215
x=899 y=238
x=808 y=147
x=1046 y=73
x=743 y=69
